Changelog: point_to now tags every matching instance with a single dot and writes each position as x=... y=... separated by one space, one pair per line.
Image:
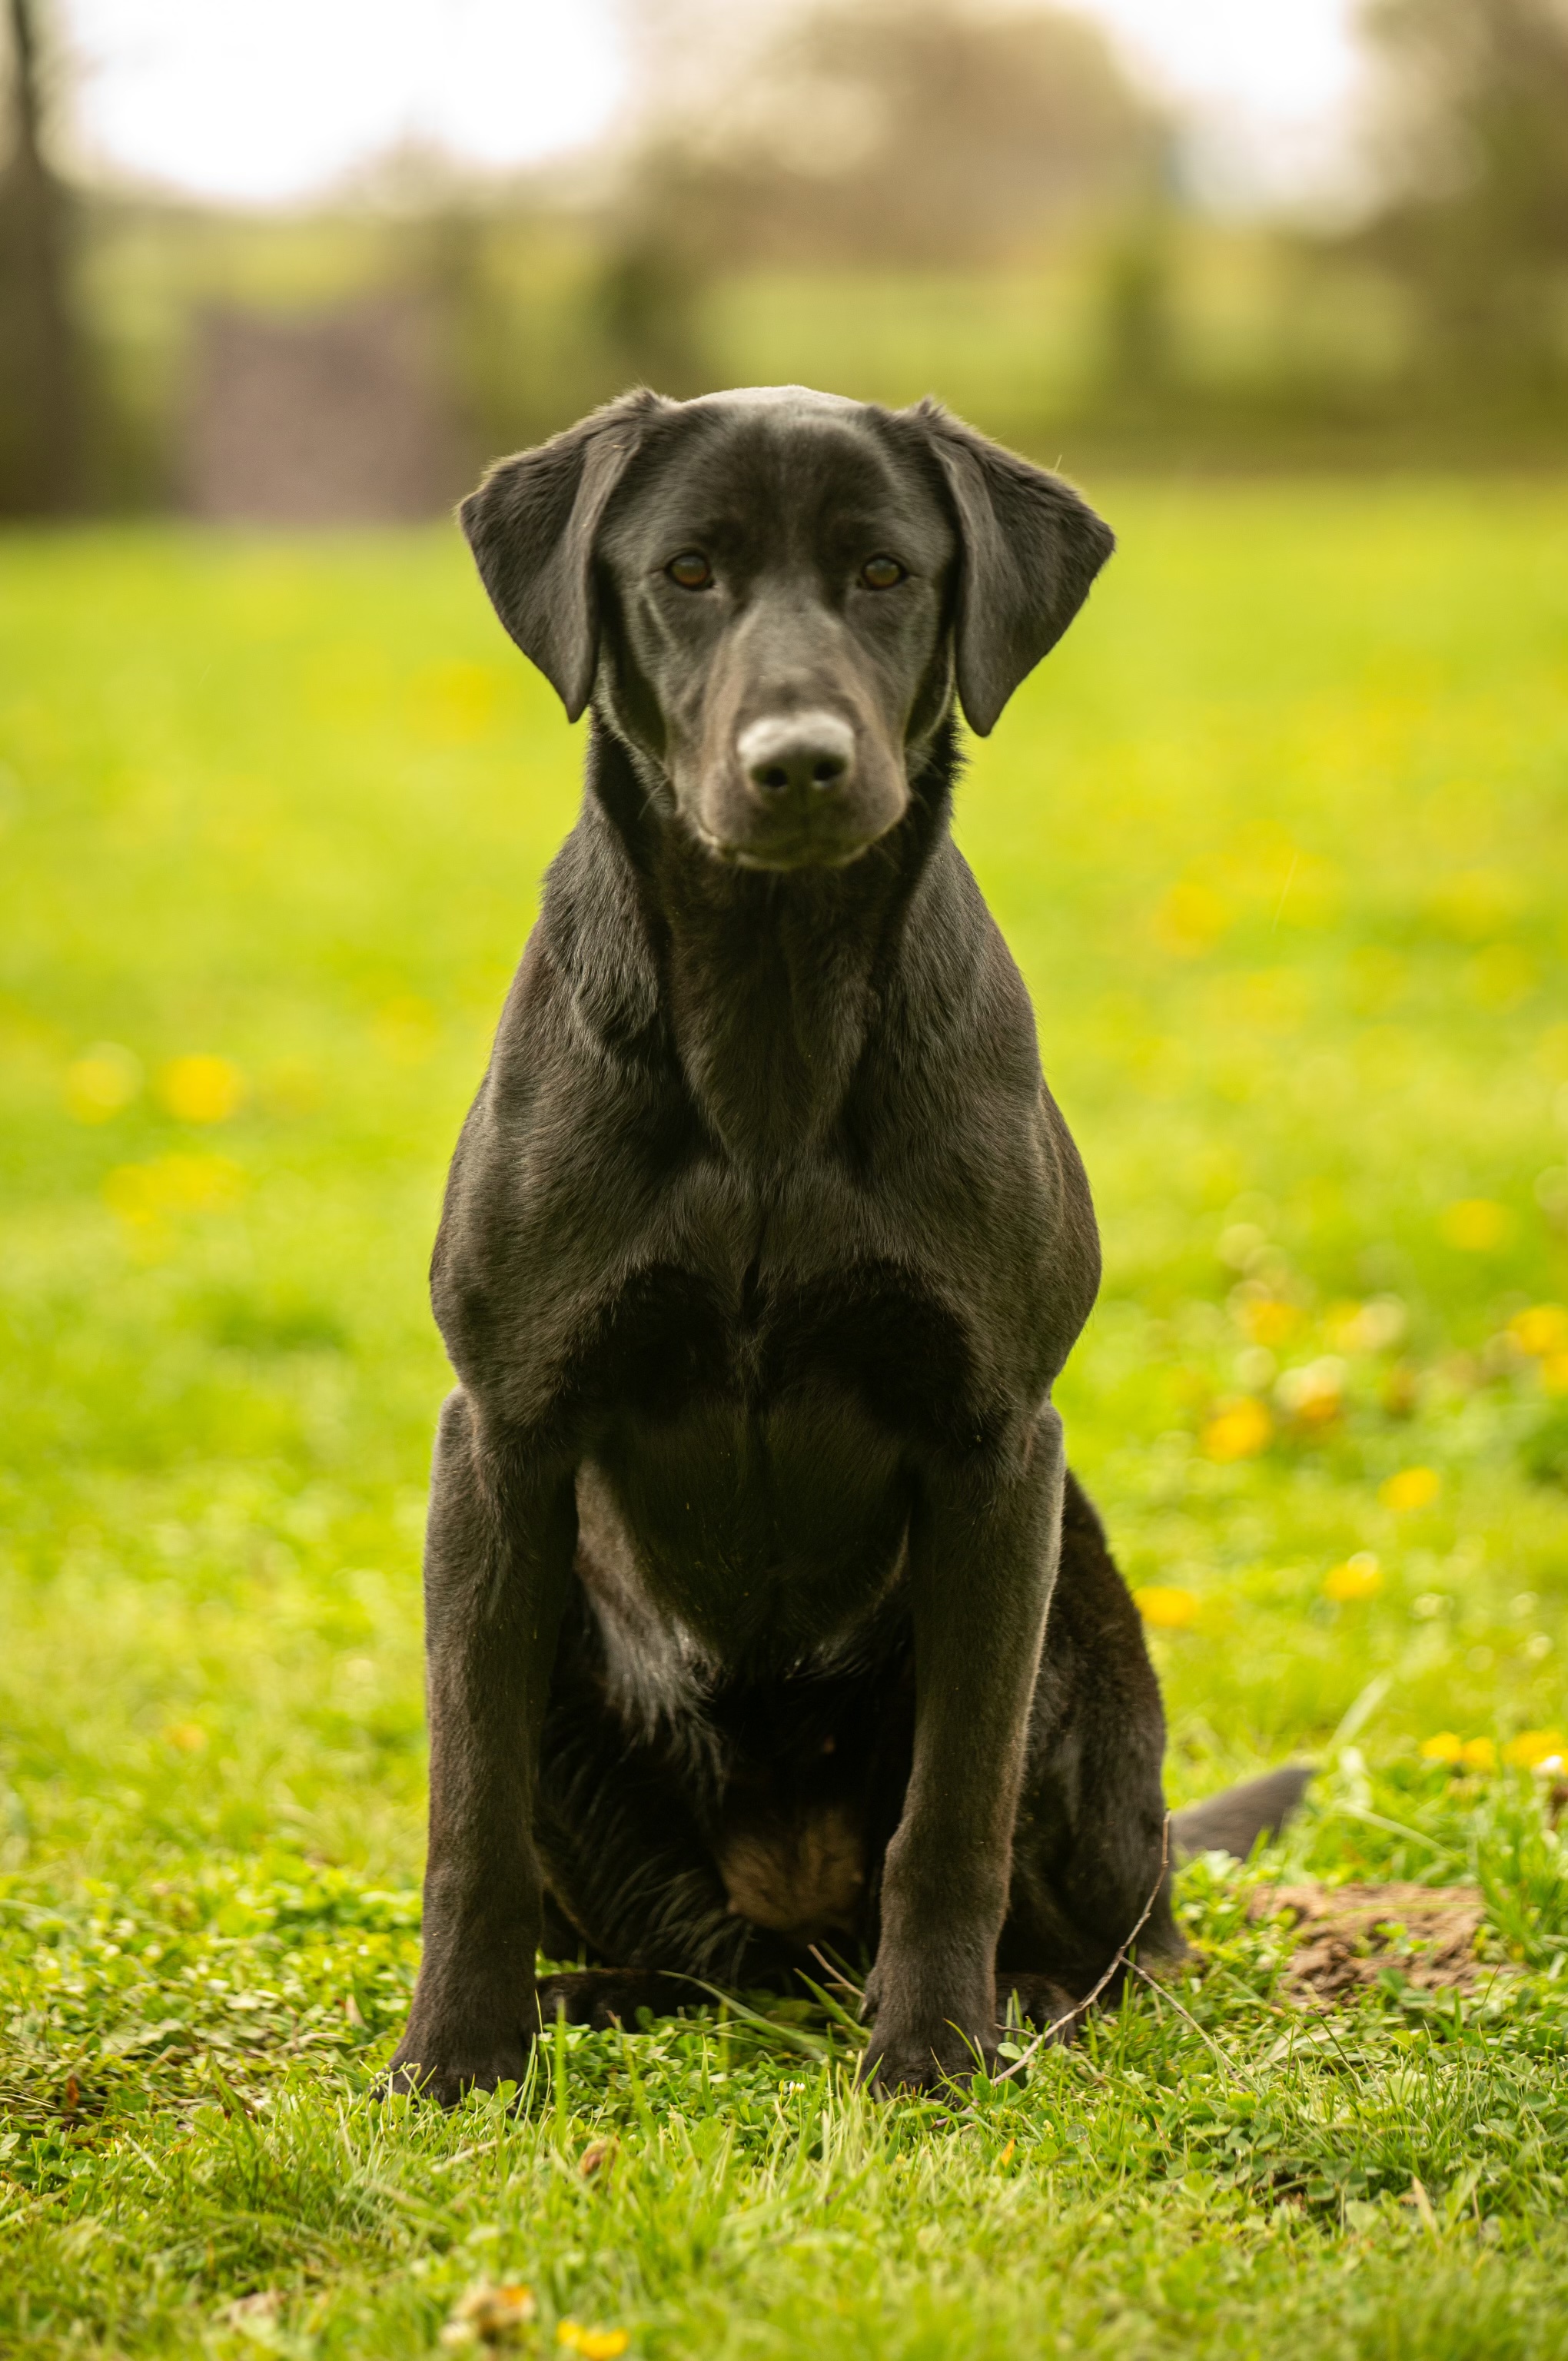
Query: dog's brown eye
x=690 y=569
x=880 y=572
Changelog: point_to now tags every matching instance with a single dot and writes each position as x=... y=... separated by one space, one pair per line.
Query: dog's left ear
x=532 y=526
x=1030 y=550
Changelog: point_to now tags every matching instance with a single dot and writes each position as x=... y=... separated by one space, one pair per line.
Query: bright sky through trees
x=266 y=99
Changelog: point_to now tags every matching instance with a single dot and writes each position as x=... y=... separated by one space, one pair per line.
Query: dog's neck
x=770 y=983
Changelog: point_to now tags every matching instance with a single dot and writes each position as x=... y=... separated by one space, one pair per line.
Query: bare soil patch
x=1348 y=1936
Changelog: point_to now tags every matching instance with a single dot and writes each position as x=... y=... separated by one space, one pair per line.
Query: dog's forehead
x=788 y=401
x=773 y=454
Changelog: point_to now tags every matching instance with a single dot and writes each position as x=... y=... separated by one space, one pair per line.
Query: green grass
x=1279 y=839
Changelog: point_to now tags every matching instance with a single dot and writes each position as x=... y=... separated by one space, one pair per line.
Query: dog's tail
x=1233 y=1821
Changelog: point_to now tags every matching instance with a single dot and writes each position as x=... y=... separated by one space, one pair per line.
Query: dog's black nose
x=802 y=755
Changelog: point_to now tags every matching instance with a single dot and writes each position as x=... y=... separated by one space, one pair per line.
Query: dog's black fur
x=763 y=1246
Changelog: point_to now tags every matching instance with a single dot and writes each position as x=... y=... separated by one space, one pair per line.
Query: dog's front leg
x=983 y=1548
x=498 y=1549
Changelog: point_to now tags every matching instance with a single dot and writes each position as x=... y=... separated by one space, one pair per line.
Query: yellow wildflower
x=1190 y=918
x=1270 y=1320
x=1443 y=1746
x=1359 y=1577
x=1532 y=1748
x=1476 y=1225
x=172 y=1184
x=1412 y=1488
x=1479 y=1755
x=1540 y=1330
x=100 y=1083
x=202 y=1089
x=593 y=2343
x=1238 y=1430
x=1167 y=1607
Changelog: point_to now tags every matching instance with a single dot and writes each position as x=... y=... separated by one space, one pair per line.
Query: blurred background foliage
x=877 y=197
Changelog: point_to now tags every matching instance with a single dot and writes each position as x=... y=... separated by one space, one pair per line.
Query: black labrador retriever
x=762 y=1609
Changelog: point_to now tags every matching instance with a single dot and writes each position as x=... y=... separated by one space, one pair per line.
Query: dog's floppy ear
x=532 y=527
x=1030 y=550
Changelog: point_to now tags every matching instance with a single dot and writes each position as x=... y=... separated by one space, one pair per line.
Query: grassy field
x=1279 y=838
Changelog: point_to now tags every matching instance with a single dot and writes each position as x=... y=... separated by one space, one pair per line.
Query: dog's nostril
x=826 y=770
x=772 y=774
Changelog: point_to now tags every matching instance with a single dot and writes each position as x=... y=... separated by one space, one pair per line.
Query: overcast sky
x=267 y=100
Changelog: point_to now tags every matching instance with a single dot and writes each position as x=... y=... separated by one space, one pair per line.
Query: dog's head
x=772 y=595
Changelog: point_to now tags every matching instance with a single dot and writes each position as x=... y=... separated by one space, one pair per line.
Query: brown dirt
x=1347 y=1935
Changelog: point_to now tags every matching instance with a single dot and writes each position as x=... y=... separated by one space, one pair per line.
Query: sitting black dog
x=762 y=1609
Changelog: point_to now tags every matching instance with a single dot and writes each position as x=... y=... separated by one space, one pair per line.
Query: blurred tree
x=903 y=132
x=1137 y=361
x=647 y=305
x=40 y=419
x=1475 y=157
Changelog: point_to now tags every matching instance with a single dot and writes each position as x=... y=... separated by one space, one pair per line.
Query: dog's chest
x=679 y=1346
x=750 y=1449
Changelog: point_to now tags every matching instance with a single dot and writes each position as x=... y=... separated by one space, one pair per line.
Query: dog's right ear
x=532 y=526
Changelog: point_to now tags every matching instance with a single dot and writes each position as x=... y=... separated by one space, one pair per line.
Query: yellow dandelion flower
x=102 y=1082
x=1479 y=1755
x=1412 y=1488
x=140 y=1193
x=185 y=1737
x=1476 y=1225
x=1238 y=1430
x=1555 y=1373
x=1542 y=1329
x=1272 y=1321
x=1189 y=919
x=1165 y=1605
x=593 y=2343
x=1533 y=1747
x=1443 y=1746
x=1359 y=1577
x=202 y=1089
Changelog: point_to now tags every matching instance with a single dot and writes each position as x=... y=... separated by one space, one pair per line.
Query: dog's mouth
x=809 y=854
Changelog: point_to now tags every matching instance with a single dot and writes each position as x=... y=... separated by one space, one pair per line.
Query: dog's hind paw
x=1042 y=2006
x=602 y=1997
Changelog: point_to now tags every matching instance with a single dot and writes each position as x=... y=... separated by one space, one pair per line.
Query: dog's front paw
x=925 y=2055
x=431 y=2063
